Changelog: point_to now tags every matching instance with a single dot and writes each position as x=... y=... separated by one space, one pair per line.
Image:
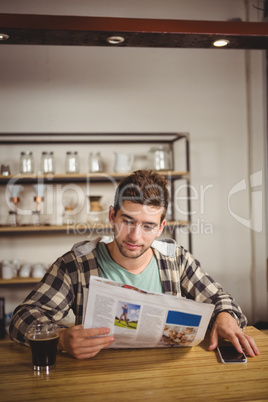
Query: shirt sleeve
x=49 y=301
x=196 y=284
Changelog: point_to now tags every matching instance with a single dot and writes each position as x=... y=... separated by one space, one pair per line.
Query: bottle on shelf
x=95 y=163
x=72 y=162
x=13 y=218
x=26 y=162
x=47 y=162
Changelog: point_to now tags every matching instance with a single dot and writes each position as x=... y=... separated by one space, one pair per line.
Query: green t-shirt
x=148 y=279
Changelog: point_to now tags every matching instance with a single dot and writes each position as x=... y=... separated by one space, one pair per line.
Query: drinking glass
x=43 y=339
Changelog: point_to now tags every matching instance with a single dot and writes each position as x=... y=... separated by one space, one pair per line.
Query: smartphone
x=229 y=354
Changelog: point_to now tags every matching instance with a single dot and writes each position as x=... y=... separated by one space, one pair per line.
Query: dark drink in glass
x=43 y=340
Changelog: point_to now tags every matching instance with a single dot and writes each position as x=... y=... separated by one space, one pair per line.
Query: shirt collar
x=166 y=247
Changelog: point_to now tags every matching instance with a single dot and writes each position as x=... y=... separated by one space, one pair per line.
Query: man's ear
x=160 y=230
x=111 y=215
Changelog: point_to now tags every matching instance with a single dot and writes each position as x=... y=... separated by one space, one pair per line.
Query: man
x=124 y=314
x=134 y=257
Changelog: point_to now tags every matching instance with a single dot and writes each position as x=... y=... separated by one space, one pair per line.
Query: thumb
x=213 y=340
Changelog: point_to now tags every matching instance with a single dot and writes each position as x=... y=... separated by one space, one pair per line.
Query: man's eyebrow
x=151 y=224
x=134 y=220
x=128 y=217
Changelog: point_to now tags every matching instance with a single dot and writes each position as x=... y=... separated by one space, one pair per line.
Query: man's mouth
x=132 y=246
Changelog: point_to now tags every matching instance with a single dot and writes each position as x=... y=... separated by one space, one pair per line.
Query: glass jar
x=47 y=162
x=68 y=215
x=13 y=218
x=72 y=162
x=26 y=162
x=36 y=218
x=95 y=163
x=5 y=170
x=160 y=158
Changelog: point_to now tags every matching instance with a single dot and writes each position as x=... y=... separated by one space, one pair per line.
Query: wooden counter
x=192 y=374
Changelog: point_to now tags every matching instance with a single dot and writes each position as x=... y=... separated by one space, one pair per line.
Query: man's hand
x=226 y=327
x=84 y=343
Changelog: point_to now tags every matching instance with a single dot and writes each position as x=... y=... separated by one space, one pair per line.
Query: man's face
x=136 y=227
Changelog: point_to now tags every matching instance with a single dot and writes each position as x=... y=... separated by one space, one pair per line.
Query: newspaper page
x=138 y=319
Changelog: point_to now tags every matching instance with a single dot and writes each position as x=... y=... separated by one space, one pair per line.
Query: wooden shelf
x=19 y=281
x=73 y=229
x=107 y=177
x=48 y=229
x=52 y=228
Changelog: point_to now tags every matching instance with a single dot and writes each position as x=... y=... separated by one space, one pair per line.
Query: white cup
x=25 y=270
x=8 y=271
x=38 y=270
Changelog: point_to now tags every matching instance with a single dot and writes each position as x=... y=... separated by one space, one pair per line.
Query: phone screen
x=229 y=354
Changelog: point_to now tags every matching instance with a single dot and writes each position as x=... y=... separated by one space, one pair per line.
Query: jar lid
x=26 y=153
x=71 y=153
x=47 y=153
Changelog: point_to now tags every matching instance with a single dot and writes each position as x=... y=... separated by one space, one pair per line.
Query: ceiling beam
x=28 y=29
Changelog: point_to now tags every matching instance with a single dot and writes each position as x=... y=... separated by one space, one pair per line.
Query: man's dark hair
x=144 y=187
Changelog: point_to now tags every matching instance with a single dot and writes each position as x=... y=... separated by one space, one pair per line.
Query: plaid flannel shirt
x=64 y=285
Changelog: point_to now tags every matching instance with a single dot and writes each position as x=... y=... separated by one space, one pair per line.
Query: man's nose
x=134 y=232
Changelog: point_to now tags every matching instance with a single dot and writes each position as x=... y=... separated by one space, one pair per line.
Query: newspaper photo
x=138 y=319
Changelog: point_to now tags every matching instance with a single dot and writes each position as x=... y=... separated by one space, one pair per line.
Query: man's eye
x=127 y=222
x=148 y=228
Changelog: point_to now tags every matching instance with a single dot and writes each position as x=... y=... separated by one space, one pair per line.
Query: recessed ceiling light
x=221 y=42
x=115 y=40
x=3 y=36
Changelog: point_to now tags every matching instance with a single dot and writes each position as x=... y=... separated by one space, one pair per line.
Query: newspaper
x=138 y=319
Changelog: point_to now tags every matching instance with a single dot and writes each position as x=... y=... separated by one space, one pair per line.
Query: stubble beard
x=128 y=253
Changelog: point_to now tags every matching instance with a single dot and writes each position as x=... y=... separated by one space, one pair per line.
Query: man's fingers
x=249 y=345
x=89 y=332
x=80 y=342
x=102 y=341
x=213 y=340
x=239 y=340
x=91 y=348
x=236 y=343
x=87 y=355
x=244 y=342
